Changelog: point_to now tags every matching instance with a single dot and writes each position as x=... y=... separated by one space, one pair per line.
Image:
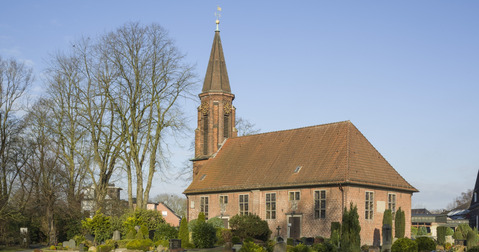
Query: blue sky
x=406 y=73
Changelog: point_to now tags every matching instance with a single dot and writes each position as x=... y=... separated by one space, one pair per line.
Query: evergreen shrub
x=250 y=226
x=251 y=247
x=404 y=245
x=425 y=244
x=204 y=235
x=144 y=245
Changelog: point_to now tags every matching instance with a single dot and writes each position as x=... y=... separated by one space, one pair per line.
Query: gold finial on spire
x=218 y=15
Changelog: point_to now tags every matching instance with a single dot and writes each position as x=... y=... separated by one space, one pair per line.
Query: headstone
x=376 y=238
x=137 y=228
x=387 y=235
x=116 y=235
x=309 y=241
x=81 y=247
x=92 y=249
x=89 y=237
x=175 y=244
x=70 y=244
x=280 y=247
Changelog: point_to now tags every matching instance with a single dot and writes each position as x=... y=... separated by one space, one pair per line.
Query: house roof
x=327 y=154
x=216 y=78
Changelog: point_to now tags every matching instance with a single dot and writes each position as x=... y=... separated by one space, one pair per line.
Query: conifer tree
x=400 y=224
x=350 y=230
x=388 y=219
x=183 y=234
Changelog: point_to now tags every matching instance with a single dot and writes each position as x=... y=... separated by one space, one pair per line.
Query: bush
x=216 y=222
x=99 y=226
x=204 y=235
x=251 y=247
x=165 y=232
x=123 y=243
x=104 y=248
x=404 y=245
x=473 y=249
x=141 y=217
x=425 y=244
x=325 y=247
x=350 y=230
x=52 y=247
x=301 y=248
x=164 y=243
x=236 y=240
x=471 y=238
x=250 y=226
x=144 y=244
x=290 y=242
x=441 y=235
x=422 y=231
x=447 y=246
x=131 y=234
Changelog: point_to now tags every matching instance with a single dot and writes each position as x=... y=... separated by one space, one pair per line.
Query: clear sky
x=406 y=73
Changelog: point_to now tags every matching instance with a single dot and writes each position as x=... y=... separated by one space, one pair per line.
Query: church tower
x=216 y=114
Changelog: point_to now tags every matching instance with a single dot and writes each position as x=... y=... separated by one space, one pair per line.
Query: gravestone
x=280 y=247
x=116 y=235
x=70 y=244
x=81 y=247
x=387 y=235
x=175 y=244
x=376 y=238
x=309 y=241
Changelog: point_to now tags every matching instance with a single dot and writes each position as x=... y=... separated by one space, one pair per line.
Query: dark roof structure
x=216 y=78
x=328 y=154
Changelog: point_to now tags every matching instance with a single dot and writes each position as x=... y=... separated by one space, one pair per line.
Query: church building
x=298 y=180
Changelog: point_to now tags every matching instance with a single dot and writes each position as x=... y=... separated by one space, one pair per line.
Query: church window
x=294 y=196
x=226 y=128
x=243 y=204
x=204 y=206
x=223 y=199
x=320 y=204
x=270 y=206
x=205 y=135
x=392 y=202
x=369 y=206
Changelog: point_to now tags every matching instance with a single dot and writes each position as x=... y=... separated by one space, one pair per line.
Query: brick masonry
x=309 y=226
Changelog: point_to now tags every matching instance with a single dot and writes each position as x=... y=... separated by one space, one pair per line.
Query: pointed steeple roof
x=216 y=78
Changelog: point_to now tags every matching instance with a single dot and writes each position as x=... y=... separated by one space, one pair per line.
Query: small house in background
x=169 y=215
x=424 y=218
x=88 y=202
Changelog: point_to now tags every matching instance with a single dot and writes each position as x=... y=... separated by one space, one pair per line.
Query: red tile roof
x=326 y=154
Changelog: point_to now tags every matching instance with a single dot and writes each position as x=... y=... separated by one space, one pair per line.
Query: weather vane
x=218 y=15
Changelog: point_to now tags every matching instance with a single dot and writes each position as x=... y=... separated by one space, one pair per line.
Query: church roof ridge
x=293 y=129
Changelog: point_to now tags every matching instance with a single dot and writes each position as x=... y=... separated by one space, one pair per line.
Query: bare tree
x=15 y=78
x=45 y=169
x=461 y=202
x=245 y=127
x=151 y=77
x=68 y=124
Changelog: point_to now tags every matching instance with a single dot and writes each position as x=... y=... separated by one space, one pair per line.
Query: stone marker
x=175 y=244
x=387 y=235
x=70 y=244
x=116 y=235
x=280 y=247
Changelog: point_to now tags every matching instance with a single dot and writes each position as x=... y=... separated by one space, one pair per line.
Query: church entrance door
x=295 y=227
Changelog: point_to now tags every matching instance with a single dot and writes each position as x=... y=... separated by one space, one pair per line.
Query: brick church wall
x=310 y=227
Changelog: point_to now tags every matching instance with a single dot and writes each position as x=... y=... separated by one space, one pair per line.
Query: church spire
x=216 y=78
x=216 y=114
